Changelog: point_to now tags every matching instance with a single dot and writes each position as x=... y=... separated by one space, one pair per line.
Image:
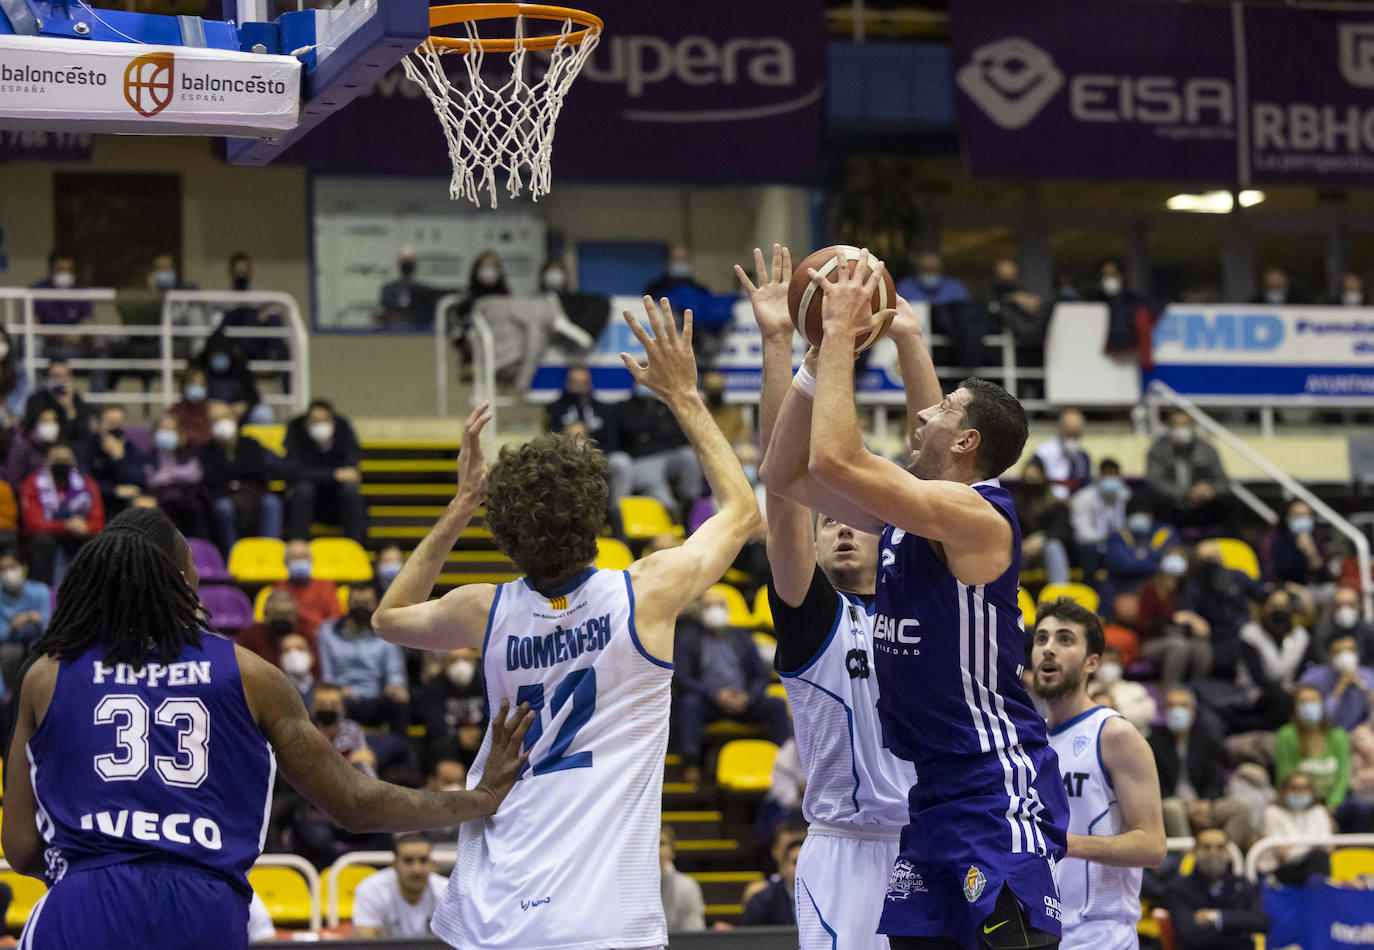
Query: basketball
x=804 y=295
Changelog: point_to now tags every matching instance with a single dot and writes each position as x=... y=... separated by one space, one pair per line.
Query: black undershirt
x=802 y=630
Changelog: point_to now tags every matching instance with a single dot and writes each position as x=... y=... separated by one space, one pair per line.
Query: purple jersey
x=163 y=763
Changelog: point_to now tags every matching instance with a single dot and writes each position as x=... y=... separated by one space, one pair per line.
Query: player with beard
x=1116 y=822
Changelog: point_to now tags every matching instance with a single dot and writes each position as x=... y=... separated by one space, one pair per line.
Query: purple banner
x=712 y=91
x=1165 y=92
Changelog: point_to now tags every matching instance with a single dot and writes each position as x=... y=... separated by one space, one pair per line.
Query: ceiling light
x=1213 y=202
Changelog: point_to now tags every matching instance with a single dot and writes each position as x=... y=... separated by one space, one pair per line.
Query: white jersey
x=851 y=778
x=1092 y=894
x=571 y=859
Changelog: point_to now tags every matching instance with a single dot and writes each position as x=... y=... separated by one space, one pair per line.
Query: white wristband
x=805 y=382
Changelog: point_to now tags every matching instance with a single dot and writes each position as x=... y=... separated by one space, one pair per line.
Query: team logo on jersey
x=904 y=881
x=974 y=882
x=856 y=661
x=1080 y=744
x=558 y=603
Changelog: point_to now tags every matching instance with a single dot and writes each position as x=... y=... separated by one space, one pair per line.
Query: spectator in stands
x=62 y=510
x=1352 y=291
x=62 y=276
x=452 y=706
x=683 y=905
x=729 y=418
x=25 y=609
x=1185 y=477
x=1275 y=288
x=1129 y=698
x=390 y=560
x=1344 y=617
x=775 y=904
x=237 y=471
x=1067 y=466
x=579 y=412
x=1190 y=761
x=1291 y=553
x=29 y=452
x=74 y=417
x=406 y=302
x=317 y=599
x=1274 y=646
x=397 y=903
x=371 y=671
x=297 y=661
x=1097 y=512
x=280 y=622
x=1176 y=641
x=1356 y=814
x=14 y=390
x=1214 y=908
x=1046 y=532
x=1297 y=812
x=1135 y=552
x=173 y=476
x=192 y=412
x=228 y=379
x=1224 y=597
x=948 y=301
x=323 y=454
x=1312 y=744
x=9 y=516
x=254 y=316
x=1347 y=686
x=679 y=274
x=1127 y=319
x=487 y=278
x=718 y=675
x=1010 y=307
x=447 y=774
x=661 y=460
x=553 y=278
x=113 y=460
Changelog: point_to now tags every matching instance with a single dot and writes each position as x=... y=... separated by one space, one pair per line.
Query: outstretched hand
x=847 y=305
x=769 y=298
x=505 y=758
x=671 y=372
x=905 y=324
x=472 y=461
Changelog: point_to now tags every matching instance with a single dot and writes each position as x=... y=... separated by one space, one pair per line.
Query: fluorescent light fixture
x=1213 y=202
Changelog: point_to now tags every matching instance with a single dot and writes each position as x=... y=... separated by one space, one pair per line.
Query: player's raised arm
x=1127 y=758
x=669 y=580
x=353 y=800
x=406 y=615
x=919 y=379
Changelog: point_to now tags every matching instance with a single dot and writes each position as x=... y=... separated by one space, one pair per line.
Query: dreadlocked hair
x=126 y=591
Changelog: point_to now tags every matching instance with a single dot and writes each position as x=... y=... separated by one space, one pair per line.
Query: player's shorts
x=841 y=877
x=959 y=850
x=1100 y=935
x=139 y=905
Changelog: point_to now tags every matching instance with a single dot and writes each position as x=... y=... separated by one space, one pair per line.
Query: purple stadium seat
x=230 y=609
x=209 y=564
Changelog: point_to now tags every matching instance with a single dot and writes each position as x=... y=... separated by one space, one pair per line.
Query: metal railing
x=443 y=857
x=1161 y=393
x=305 y=869
x=17 y=313
x=1275 y=842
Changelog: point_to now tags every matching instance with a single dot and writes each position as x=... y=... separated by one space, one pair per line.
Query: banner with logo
x=126 y=87
x=712 y=91
x=1281 y=353
x=1319 y=916
x=1230 y=94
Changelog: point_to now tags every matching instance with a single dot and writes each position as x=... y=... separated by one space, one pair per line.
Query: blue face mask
x=388 y=570
x=1111 y=485
x=1178 y=718
x=1309 y=713
x=219 y=363
x=1139 y=524
x=298 y=570
x=1300 y=801
x=165 y=439
x=194 y=392
x=1301 y=525
x=1175 y=565
x=929 y=281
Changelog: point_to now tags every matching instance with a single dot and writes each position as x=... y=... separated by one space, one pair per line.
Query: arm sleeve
x=1181 y=911
x=1285 y=752
x=1250 y=918
x=802 y=630
x=693 y=907
x=326 y=652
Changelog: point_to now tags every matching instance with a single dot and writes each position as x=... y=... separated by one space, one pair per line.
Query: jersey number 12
x=580 y=687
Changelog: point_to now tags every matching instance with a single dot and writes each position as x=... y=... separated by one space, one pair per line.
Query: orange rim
x=469 y=12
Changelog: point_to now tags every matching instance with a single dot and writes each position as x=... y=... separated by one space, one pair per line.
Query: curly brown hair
x=546 y=503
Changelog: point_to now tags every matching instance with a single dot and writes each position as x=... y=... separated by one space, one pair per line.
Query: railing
x=306 y=870
x=441 y=856
x=1274 y=843
x=18 y=316
x=1161 y=393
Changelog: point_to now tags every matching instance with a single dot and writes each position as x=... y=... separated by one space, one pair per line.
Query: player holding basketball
x=821 y=593
x=140 y=771
x=1116 y=823
x=988 y=812
x=572 y=860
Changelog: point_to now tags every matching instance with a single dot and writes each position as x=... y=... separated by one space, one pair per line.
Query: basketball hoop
x=506 y=128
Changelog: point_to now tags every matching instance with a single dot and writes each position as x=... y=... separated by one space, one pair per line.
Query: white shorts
x=1099 y=935
x=841 y=883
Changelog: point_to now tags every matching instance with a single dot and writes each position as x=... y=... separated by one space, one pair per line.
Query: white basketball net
x=505 y=130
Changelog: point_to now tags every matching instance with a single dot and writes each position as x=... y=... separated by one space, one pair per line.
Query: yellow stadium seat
x=258 y=561
x=1349 y=863
x=343 y=590
x=645 y=517
x=349 y=878
x=1027 y=605
x=1081 y=594
x=1239 y=556
x=612 y=555
x=740 y=614
x=777 y=691
x=271 y=436
x=27 y=892
x=763 y=610
x=340 y=559
x=285 y=893
x=746 y=765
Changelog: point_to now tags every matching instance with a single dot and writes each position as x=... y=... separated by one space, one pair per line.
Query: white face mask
x=165 y=439
x=1352 y=298
x=1274 y=296
x=165 y=278
x=296 y=663
x=461 y=672
x=1072 y=445
x=486 y=274
x=1109 y=673
x=12 y=578
x=1346 y=616
x=224 y=429
x=682 y=270
x=1111 y=286
x=1182 y=435
x=555 y=280
x=1347 y=661
x=4 y=349
x=47 y=431
x=715 y=617
x=64 y=280
x=322 y=432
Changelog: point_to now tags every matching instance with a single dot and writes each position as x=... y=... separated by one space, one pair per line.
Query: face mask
x=1346 y=661
x=327 y=717
x=1300 y=801
x=555 y=280
x=322 y=432
x=240 y=283
x=280 y=628
x=682 y=270
x=461 y=672
x=219 y=363
x=1182 y=435
x=387 y=570
x=64 y=280
x=715 y=617
x=296 y=663
x=1139 y=523
x=486 y=274
x=715 y=398
x=194 y=392
x=407 y=268
x=1346 y=616
x=4 y=349
x=62 y=472
x=1273 y=296
x=1109 y=673
x=224 y=429
x=1213 y=866
x=929 y=281
x=47 y=431
x=452 y=788
x=1301 y=525
x=751 y=472
x=361 y=616
x=1072 y=446
x=165 y=439
x=298 y=570
x=1278 y=621
x=60 y=386
x=1352 y=298
x=1111 y=485
x=1111 y=286
x=1309 y=713
x=164 y=278
x=1175 y=565
x=1178 y=718
x=116 y=432
x=12 y=578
